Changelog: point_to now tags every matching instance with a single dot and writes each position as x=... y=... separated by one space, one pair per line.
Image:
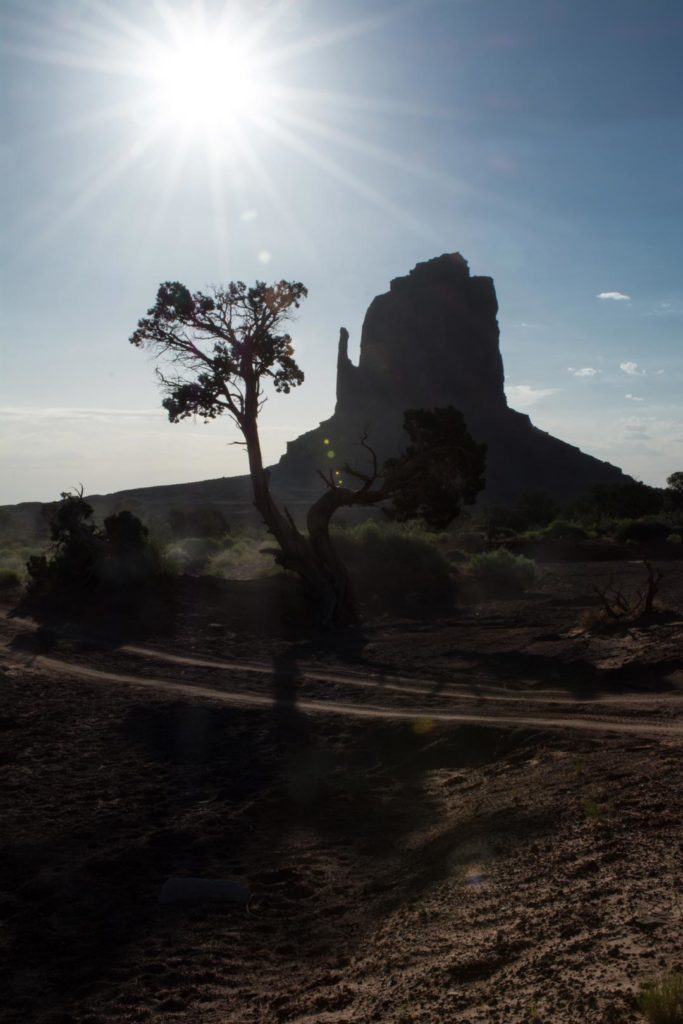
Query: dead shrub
x=619 y=607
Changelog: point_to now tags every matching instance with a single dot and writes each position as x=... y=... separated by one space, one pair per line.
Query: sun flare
x=190 y=90
x=207 y=82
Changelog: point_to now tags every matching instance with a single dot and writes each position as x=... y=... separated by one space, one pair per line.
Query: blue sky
x=543 y=139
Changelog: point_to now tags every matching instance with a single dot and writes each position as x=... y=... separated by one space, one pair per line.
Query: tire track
x=671 y=730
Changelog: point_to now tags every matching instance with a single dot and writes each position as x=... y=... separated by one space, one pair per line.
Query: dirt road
x=350 y=694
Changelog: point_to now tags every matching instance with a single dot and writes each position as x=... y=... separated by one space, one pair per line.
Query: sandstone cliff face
x=433 y=340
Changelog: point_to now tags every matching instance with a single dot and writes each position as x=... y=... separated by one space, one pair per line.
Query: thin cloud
x=583 y=371
x=632 y=369
x=674 y=308
x=523 y=396
x=614 y=296
x=29 y=413
x=633 y=398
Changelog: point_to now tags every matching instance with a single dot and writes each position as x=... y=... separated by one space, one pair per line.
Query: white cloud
x=583 y=371
x=523 y=396
x=247 y=215
x=615 y=296
x=632 y=369
x=633 y=398
x=264 y=256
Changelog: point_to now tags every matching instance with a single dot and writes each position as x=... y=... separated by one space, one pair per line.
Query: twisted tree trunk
x=313 y=558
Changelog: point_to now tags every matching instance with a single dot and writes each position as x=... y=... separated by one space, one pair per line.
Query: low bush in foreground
x=394 y=563
x=502 y=568
x=661 y=1001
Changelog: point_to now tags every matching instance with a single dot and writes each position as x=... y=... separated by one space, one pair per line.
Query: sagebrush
x=502 y=568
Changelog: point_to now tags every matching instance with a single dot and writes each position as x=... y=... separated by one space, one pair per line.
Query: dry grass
x=662 y=1001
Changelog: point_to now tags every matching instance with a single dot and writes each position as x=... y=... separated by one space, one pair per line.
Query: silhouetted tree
x=674 y=493
x=622 y=501
x=223 y=347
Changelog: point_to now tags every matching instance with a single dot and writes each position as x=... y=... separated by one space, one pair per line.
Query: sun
x=210 y=92
x=207 y=81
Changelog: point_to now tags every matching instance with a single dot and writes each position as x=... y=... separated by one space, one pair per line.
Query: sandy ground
x=405 y=866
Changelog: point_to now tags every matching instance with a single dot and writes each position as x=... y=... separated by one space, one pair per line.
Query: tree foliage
x=222 y=347
x=441 y=469
x=675 y=482
x=622 y=501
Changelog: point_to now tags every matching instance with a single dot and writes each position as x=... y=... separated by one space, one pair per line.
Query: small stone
x=648 y=922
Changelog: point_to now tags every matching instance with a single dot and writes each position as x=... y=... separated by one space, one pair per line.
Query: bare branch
x=324 y=478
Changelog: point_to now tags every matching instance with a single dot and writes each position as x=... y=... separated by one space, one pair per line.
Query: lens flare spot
x=326 y=440
x=423 y=726
x=330 y=454
x=474 y=876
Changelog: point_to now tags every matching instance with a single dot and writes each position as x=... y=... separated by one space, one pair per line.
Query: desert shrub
x=642 y=530
x=393 y=563
x=562 y=529
x=628 y=606
x=192 y=554
x=14 y=556
x=244 y=557
x=661 y=1001
x=502 y=568
x=9 y=579
x=128 y=555
x=84 y=558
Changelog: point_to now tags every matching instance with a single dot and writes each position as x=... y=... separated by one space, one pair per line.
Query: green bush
x=662 y=1001
x=561 y=529
x=9 y=579
x=393 y=563
x=242 y=557
x=502 y=568
x=642 y=530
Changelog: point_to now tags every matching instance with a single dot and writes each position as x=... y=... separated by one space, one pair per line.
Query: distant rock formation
x=433 y=340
